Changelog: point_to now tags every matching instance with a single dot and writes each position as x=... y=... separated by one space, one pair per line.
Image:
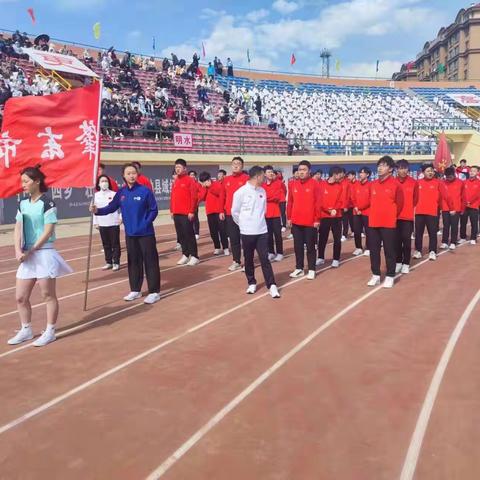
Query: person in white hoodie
x=248 y=212
x=108 y=225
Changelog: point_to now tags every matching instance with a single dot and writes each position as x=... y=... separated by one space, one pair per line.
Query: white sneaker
x=335 y=263
x=444 y=246
x=432 y=256
x=290 y=236
x=217 y=251
x=197 y=237
x=439 y=232
x=319 y=261
x=388 y=282
x=271 y=257
x=343 y=239
x=405 y=269
x=363 y=235
x=473 y=242
x=108 y=266
x=284 y=229
x=278 y=257
x=116 y=267
x=417 y=255
x=48 y=336
x=234 y=266
x=183 y=260
x=374 y=281
x=152 y=298
x=226 y=252
x=274 y=292
x=251 y=289
x=398 y=268
x=24 y=334
x=366 y=253
x=452 y=246
x=357 y=252
x=311 y=275
x=297 y=273
x=193 y=261
x=412 y=237
x=178 y=247
x=462 y=240
x=132 y=296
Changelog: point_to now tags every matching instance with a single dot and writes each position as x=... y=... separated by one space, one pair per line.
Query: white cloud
x=256 y=15
x=284 y=6
x=208 y=13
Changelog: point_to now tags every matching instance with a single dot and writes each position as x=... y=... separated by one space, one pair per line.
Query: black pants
x=274 y=226
x=142 y=253
x=186 y=235
x=404 y=241
x=450 y=227
x=431 y=222
x=388 y=237
x=283 y=213
x=259 y=243
x=472 y=214
x=111 y=243
x=347 y=220
x=360 y=225
x=304 y=236
x=335 y=225
x=196 y=223
x=233 y=233
x=217 y=231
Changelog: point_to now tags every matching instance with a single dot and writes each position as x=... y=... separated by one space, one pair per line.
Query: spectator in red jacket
x=360 y=195
x=331 y=219
x=213 y=194
x=431 y=192
x=183 y=203
x=463 y=170
x=452 y=207
x=196 y=220
x=386 y=203
x=303 y=217
x=409 y=188
x=221 y=174
x=472 y=204
x=142 y=179
x=273 y=189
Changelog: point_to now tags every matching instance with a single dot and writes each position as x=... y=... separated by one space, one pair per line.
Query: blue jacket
x=139 y=209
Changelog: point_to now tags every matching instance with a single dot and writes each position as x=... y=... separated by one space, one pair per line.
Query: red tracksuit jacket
x=232 y=183
x=184 y=196
x=430 y=195
x=143 y=180
x=274 y=195
x=386 y=202
x=304 y=202
x=360 y=196
x=333 y=198
x=455 y=196
x=409 y=190
x=472 y=193
x=345 y=184
x=214 y=198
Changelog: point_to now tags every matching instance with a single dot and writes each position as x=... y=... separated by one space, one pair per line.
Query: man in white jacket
x=248 y=212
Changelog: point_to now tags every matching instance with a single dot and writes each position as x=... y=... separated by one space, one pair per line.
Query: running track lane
x=159 y=414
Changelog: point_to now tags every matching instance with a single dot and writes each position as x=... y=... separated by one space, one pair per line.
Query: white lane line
x=413 y=453
x=42 y=408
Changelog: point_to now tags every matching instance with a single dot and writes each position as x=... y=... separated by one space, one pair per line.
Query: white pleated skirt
x=45 y=263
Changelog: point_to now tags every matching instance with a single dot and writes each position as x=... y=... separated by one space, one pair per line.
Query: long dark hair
x=97 y=185
x=37 y=176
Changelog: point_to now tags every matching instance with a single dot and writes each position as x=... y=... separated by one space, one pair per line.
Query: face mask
x=103 y=185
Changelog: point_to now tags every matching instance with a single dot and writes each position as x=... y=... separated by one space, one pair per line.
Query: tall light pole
x=325 y=56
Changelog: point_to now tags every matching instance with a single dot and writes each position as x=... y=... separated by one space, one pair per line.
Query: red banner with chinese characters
x=60 y=132
x=183 y=140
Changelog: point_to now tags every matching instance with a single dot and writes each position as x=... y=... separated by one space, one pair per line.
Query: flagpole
x=94 y=177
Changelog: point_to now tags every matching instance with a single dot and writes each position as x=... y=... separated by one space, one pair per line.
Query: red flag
x=32 y=14
x=60 y=132
x=443 y=158
x=293 y=59
x=203 y=50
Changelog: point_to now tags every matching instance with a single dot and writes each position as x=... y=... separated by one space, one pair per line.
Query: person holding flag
x=39 y=261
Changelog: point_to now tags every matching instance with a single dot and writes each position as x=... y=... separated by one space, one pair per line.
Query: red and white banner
x=59 y=62
x=465 y=99
x=184 y=140
x=60 y=132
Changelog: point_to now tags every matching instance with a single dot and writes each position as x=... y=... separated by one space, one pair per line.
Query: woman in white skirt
x=39 y=261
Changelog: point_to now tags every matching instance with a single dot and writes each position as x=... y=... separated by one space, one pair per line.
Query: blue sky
x=358 y=32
